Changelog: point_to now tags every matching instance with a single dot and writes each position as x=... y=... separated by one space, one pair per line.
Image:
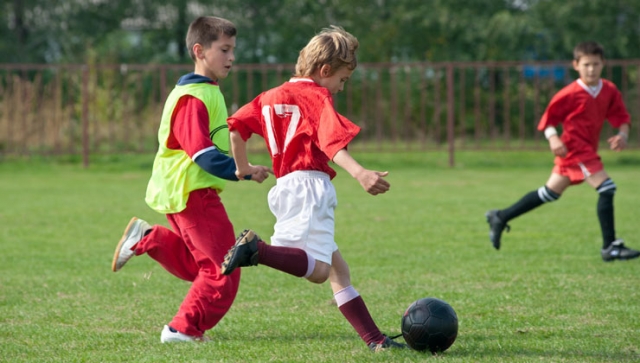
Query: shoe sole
x=620 y=259
x=203 y=339
x=245 y=237
x=181 y=338
x=120 y=243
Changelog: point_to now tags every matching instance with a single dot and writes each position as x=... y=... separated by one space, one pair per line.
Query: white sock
x=345 y=295
x=311 y=265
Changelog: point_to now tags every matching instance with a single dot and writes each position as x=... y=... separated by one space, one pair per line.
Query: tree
x=270 y=31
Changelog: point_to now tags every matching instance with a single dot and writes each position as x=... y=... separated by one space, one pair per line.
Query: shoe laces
x=393 y=337
x=392 y=340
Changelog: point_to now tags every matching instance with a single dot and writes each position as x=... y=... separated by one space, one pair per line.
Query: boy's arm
x=555 y=144
x=619 y=141
x=216 y=163
x=372 y=181
x=239 y=151
x=190 y=132
x=623 y=131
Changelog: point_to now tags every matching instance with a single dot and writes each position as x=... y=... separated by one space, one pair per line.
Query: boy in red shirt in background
x=581 y=108
x=303 y=132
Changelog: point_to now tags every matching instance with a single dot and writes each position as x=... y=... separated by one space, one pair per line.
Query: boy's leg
x=250 y=250
x=606 y=189
x=353 y=308
x=160 y=243
x=302 y=203
x=550 y=192
x=612 y=248
x=294 y=261
x=208 y=234
x=170 y=251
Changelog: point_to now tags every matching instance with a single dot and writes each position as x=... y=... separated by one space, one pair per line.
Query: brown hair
x=333 y=46
x=588 y=48
x=206 y=30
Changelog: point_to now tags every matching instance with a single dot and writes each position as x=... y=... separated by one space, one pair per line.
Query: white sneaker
x=170 y=335
x=132 y=234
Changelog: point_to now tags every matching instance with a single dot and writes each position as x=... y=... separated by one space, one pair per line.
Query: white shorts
x=303 y=203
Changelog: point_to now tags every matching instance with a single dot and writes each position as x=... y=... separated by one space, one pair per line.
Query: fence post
x=85 y=116
x=451 y=130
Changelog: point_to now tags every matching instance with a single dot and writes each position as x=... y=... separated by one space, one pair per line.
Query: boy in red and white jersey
x=303 y=132
x=581 y=108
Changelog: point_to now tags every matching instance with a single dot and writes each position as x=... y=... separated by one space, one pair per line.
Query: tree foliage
x=270 y=31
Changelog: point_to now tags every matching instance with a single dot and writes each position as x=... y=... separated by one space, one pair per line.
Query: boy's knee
x=318 y=279
x=320 y=273
x=607 y=188
x=547 y=195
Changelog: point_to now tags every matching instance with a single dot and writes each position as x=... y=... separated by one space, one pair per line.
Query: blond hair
x=332 y=46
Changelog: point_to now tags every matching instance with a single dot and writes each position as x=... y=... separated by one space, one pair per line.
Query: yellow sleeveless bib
x=174 y=174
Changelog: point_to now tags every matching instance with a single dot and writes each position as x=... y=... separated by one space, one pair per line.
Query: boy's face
x=335 y=82
x=215 y=61
x=589 y=67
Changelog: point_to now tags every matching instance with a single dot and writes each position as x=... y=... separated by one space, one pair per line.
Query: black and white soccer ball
x=429 y=324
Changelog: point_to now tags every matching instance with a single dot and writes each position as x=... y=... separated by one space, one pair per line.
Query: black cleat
x=617 y=251
x=388 y=343
x=243 y=253
x=496 y=226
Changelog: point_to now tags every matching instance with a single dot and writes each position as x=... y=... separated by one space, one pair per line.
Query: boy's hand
x=617 y=142
x=258 y=173
x=373 y=181
x=557 y=146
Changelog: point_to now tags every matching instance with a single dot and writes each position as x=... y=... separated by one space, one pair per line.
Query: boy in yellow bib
x=190 y=169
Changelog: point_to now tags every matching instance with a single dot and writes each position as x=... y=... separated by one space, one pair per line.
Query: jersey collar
x=191 y=78
x=593 y=91
x=300 y=79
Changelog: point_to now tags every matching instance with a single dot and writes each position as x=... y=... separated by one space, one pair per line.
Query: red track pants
x=202 y=234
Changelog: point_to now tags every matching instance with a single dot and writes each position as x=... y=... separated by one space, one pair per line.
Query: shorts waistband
x=304 y=174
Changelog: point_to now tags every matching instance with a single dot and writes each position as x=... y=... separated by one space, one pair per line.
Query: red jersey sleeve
x=190 y=126
x=247 y=120
x=334 y=131
x=617 y=114
x=556 y=111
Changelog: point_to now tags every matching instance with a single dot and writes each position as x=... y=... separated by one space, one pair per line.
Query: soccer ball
x=429 y=324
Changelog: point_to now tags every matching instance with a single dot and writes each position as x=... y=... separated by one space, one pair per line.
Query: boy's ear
x=575 y=65
x=325 y=70
x=197 y=50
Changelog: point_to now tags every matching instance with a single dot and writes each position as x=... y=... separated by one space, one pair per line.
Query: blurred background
x=90 y=76
x=146 y=31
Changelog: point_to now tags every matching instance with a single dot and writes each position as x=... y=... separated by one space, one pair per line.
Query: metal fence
x=97 y=109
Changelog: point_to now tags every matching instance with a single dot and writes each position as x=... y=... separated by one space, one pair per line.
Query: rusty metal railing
x=96 y=109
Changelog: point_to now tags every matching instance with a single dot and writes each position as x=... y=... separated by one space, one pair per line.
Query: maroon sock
x=291 y=260
x=358 y=316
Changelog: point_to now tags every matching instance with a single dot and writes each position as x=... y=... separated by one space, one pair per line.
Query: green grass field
x=545 y=297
